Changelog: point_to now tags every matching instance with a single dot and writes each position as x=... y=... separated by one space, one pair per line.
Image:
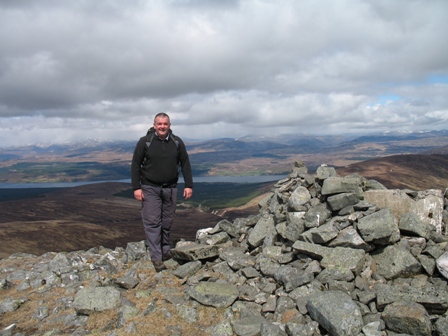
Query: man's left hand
x=188 y=192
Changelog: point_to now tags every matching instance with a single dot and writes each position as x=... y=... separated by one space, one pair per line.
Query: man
x=154 y=175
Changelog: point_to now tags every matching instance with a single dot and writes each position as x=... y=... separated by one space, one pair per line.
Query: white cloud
x=222 y=68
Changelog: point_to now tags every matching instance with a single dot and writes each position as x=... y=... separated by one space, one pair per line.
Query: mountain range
x=251 y=155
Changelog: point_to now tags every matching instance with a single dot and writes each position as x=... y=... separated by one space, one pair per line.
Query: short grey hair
x=161 y=115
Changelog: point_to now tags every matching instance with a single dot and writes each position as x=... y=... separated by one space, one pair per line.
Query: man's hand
x=188 y=192
x=138 y=195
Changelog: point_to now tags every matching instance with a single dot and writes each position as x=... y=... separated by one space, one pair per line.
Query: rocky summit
x=326 y=255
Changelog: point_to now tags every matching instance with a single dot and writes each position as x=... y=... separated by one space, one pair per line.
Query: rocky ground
x=318 y=259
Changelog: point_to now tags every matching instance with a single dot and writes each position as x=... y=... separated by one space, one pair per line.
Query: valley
x=105 y=214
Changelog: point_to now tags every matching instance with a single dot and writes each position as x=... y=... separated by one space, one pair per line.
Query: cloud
x=221 y=68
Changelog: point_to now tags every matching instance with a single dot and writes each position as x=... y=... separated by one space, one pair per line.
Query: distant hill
x=413 y=171
x=250 y=155
x=438 y=150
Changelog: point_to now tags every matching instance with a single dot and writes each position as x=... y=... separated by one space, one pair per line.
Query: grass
x=225 y=195
x=63 y=172
x=18 y=194
x=217 y=195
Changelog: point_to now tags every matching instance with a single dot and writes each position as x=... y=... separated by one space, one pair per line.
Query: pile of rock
x=323 y=256
x=318 y=259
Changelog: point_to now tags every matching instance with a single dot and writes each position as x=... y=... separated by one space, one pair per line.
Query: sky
x=76 y=70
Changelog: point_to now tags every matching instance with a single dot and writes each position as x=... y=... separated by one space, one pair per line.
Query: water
x=198 y=179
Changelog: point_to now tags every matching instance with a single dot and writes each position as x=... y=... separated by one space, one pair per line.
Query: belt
x=163 y=185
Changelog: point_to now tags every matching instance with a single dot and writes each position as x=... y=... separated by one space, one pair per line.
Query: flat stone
x=195 y=252
x=218 y=295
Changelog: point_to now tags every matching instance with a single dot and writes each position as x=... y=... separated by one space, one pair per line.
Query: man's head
x=162 y=124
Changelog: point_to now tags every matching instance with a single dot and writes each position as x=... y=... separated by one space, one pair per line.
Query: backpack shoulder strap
x=149 y=137
x=176 y=141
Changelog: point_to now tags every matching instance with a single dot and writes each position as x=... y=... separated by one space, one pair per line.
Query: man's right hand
x=138 y=195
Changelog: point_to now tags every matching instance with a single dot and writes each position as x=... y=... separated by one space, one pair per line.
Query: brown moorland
x=79 y=218
x=88 y=216
x=413 y=171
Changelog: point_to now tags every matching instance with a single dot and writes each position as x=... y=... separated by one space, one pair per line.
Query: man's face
x=162 y=125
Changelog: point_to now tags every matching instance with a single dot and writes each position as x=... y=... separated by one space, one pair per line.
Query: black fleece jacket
x=162 y=163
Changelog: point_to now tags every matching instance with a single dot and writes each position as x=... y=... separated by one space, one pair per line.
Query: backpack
x=150 y=136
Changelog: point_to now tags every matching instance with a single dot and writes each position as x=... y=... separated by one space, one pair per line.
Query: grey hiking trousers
x=158 y=208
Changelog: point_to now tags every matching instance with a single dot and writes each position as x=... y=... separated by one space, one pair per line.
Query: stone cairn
x=318 y=259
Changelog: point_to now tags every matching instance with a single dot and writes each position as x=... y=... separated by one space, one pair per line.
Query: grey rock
x=374 y=185
x=248 y=326
x=60 y=264
x=299 y=197
x=221 y=329
x=349 y=237
x=187 y=269
x=442 y=264
x=126 y=312
x=224 y=269
x=285 y=304
x=335 y=273
x=434 y=301
x=248 y=293
x=9 y=330
x=41 y=313
x=351 y=259
x=428 y=264
x=379 y=228
x=214 y=294
x=5 y=284
x=236 y=258
x=323 y=172
x=270 y=305
x=433 y=249
x=308 y=329
x=267 y=266
x=127 y=282
x=340 y=285
x=292 y=278
x=340 y=201
x=189 y=314
x=263 y=204
x=9 y=304
x=372 y=329
x=246 y=309
x=250 y=272
x=295 y=225
x=441 y=326
x=262 y=229
x=317 y=215
x=136 y=251
x=337 y=185
x=315 y=251
x=194 y=252
x=232 y=229
x=270 y=329
x=336 y=312
x=394 y=261
x=319 y=235
x=411 y=224
x=218 y=238
x=408 y=318
x=89 y=300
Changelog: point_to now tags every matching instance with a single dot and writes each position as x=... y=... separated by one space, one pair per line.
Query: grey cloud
x=232 y=65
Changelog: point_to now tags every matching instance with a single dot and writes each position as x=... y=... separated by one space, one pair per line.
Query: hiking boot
x=159 y=265
x=167 y=256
